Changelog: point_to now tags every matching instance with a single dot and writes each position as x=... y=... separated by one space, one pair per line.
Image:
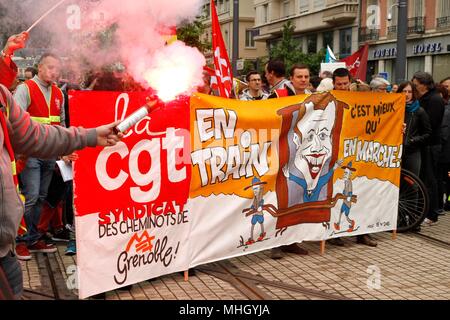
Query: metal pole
x=402 y=29
x=235 y=36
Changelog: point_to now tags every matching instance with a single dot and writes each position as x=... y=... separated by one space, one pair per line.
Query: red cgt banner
x=142 y=171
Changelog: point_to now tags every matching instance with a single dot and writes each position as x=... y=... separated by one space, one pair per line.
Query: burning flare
x=175 y=69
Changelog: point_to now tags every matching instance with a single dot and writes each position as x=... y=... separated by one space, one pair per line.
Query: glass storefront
x=415 y=64
x=389 y=67
x=441 y=68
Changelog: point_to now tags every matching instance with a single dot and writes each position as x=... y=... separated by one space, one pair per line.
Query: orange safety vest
x=39 y=110
x=3 y=101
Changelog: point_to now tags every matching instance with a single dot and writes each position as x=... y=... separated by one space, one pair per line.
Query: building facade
x=249 y=49
x=318 y=23
x=428 y=39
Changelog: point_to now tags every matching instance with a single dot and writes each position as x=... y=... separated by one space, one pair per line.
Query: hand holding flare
x=153 y=103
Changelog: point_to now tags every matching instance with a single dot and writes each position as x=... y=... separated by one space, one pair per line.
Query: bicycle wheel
x=413 y=202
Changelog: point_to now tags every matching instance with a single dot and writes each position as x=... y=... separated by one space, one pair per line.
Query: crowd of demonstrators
x=426 y=129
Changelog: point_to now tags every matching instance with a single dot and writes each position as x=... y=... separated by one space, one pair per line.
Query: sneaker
x=367 y=240
x=294 y=248
x=22 y=252
x=276 y=253
x=71 y=248
x=337 y=242
x=43 y=247
x=46 y=237
x=70 y=227
x=428 y=223
x=62 y=235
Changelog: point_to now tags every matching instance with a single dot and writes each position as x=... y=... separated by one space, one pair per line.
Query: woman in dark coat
x=418 y=129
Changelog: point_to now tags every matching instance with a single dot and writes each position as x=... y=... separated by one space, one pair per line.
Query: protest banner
x=258 y=175
x=130 y=199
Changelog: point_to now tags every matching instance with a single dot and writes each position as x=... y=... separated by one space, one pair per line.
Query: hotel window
x=311 y=41
x=345 y=40
x=319 y=4
x=440 y=66
x=207 y=10
x=444 y=8
x=328 y=39
x=415 y=64
x=249 y=38
x=265 y=17
x=304 y=6
x=227 y=5
x=227 y=39
x=286 y=8
x=416 y=8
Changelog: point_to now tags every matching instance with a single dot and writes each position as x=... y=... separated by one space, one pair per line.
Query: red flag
x=214 y=84
x=221 y=60
x=357 y=63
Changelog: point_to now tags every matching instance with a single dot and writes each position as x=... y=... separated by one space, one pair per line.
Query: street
x=395 y=270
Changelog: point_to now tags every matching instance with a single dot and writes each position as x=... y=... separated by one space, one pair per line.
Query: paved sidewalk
x=342 y=273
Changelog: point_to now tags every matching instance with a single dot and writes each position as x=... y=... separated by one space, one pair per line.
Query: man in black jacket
x=434 y=105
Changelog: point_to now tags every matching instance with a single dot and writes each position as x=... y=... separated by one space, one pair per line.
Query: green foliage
x=289 y=50
x=107 y=38
x=251 y=65
x=192 y=35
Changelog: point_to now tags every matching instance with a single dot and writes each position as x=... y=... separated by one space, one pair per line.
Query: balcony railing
x=443 y=22
x=392 y=31
x=415 y=25
x=368 y=34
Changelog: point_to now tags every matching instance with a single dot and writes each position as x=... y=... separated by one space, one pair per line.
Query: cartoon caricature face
x=314 y=146
x=256 y=190
x=347 y=174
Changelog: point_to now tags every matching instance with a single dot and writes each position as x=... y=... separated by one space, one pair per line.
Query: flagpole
x=235 y=36
x=402 y=26
x=44 y=15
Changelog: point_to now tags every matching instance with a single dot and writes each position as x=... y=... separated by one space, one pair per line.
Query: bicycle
x=413 y=202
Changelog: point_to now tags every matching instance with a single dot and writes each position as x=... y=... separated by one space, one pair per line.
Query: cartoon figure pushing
x=348 y=193
x=257 y=208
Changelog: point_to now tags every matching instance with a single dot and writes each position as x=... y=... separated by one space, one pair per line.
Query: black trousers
x=429 y=173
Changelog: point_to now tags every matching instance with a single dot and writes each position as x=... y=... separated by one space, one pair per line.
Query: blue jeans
x=35 y=180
